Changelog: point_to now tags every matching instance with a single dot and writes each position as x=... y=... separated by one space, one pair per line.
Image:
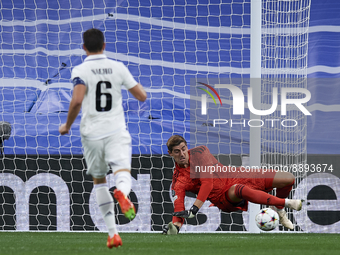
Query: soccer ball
x=267 y=219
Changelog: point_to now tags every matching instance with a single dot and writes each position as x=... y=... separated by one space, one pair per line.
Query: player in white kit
x=107 y=144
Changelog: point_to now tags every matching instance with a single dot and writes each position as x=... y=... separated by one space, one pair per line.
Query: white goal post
x=255 y=83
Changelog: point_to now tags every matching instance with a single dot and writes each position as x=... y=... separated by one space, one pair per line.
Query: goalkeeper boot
x=125 y=204
x=283 y=217
x=295 y=204
x=114 y=241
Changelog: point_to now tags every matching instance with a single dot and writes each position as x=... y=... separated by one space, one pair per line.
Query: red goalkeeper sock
x=284 y=192
x=257 y=196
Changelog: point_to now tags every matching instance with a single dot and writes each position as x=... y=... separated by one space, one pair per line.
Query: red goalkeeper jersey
x=206 y=188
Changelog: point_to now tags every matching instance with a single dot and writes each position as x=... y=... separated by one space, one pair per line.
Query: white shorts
x=112 y=152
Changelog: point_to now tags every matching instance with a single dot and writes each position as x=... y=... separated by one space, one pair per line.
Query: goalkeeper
x=230 y=192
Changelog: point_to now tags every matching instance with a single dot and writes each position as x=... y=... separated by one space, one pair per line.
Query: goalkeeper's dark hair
x=174 y=141
x=93 y=40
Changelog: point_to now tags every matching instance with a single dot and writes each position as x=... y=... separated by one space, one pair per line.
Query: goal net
x=169 y=46
x=284 y=64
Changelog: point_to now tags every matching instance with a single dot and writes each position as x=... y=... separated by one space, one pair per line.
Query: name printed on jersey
x=102 y=71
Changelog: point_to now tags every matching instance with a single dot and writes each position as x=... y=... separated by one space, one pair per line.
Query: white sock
x=106 y=207
x=123 y=182
x=286 y=202
x=277 y=209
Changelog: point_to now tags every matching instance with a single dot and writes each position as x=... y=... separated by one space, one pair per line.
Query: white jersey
x=102 y=110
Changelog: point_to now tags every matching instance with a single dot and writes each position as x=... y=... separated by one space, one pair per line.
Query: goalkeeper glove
x=187 y=214
x=170 y=229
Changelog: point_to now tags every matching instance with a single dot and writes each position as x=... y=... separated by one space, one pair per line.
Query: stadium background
x=30 y=58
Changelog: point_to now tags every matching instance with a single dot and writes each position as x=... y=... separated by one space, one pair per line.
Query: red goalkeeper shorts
x=265 y=184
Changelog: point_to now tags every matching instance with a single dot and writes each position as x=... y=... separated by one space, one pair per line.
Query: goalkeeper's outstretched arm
x=180 y=213
x=188 y=214
x=203 y=193
x=172 y=228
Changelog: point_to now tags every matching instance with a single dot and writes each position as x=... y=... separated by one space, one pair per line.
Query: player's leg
x=283 y=182
x=97 y=168
x=123 y=184
x=237 y=192
x=118 y=157
x=106 y=206
x=123 y=181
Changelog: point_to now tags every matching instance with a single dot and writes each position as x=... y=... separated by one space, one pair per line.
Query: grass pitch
x=52 y=243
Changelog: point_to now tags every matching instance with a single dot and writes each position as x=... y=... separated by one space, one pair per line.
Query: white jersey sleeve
x=128 y=81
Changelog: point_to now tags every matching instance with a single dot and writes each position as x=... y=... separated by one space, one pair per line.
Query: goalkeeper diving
x=228 y=191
